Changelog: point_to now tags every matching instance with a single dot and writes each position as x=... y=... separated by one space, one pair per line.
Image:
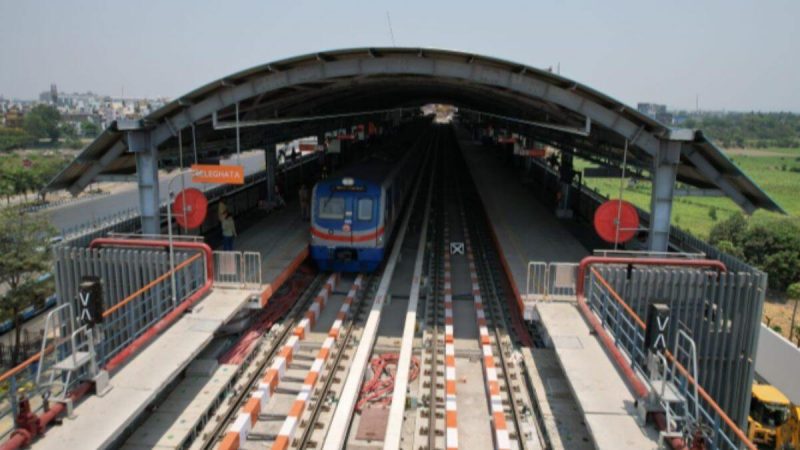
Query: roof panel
x=471 y=90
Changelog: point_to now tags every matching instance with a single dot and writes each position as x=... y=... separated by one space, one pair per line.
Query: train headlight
x=348 y=181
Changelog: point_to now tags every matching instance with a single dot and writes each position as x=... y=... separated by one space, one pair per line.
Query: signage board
x=220 y=174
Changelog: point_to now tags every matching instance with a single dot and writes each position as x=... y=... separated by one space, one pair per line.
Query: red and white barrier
x=502 y=440
x=286 y=433
x=451 y=415
x=248 y=416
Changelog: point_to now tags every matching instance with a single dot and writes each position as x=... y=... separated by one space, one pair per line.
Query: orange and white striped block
x=248 y=416
x=286 y=433
x=450 y=404
x=502 y=440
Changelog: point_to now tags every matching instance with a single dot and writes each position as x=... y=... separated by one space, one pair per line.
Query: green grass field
x=771 y=172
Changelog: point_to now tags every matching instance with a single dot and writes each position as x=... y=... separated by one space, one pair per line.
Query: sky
x=731 y=54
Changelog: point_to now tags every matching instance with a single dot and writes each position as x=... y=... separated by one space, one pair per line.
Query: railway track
x=258 y=362
x=468 y=368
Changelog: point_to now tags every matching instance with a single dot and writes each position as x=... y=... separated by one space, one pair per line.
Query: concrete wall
x=778 y=362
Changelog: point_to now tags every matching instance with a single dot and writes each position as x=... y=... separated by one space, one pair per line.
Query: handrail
x=149 y=285
x=162 y=244
x=735 y=428
x=37 y=356
x=619 y=300
x=25 y=364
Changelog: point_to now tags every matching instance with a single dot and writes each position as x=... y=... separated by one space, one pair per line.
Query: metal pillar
x=665 y=169
x=271 y=159
x=139 y=143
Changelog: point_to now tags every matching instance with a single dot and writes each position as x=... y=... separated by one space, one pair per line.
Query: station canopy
x=319 y=92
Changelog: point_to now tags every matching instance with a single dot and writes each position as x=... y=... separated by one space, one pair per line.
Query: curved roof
x=342 y=87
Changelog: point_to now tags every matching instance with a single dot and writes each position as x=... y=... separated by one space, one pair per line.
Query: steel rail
x=295 y=316
x=342 y=417
x=394 y=427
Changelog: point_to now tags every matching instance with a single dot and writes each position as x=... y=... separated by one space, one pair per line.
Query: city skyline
x=733 y=55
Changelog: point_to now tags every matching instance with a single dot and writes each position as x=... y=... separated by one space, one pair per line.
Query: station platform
x=184 y=409
x=99 y=421
x=525 y=230
x=282 y=240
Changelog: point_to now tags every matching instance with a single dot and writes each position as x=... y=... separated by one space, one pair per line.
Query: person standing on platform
x=221 y=210
x=305 y=210
x=228 y=232
x=279 y=201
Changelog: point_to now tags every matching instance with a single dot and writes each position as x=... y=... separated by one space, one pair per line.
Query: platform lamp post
x=170 y=239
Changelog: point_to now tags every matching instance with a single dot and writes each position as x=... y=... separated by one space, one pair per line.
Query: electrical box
x=90 y=301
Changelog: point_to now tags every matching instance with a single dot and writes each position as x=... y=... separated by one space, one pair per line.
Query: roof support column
x=665 y=170
x=140 y=143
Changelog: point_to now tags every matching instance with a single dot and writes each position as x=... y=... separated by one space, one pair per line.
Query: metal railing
x=647 y=254
x=124 y=320
x=240 y=270
x=130 y=317
x=587 y=201
x=550 y=281
x=627 y=329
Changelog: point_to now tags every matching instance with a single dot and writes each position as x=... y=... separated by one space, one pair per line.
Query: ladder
x=671 y=391
x=73 y=354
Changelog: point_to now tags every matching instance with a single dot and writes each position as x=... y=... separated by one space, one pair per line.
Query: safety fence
x=137 y=292
x=715 y=313
x=119 y=222
x=241 y=198
x=137 y=287
x=550 y=281
x=35 y=207
x=241 y=270
x=584 y=202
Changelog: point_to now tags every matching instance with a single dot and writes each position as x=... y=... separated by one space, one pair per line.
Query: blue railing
x=627 y=329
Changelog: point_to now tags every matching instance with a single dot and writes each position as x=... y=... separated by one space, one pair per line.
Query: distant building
x=656 y=111
x=14 y=117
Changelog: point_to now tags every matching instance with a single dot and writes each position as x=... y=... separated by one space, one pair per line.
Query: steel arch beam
x=473 y=73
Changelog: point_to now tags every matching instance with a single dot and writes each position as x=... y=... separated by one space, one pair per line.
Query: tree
x=712 y=213
x=24 y=258
x=730 y=229
x=42 y=122
x=794 y=294
x=89 y=129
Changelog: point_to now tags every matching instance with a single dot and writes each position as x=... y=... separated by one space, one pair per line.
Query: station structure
x=498 y=320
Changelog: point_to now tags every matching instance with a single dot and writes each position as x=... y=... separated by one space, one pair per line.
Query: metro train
x=354 y=212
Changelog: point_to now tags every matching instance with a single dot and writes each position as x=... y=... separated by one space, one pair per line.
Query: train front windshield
x=332 y=208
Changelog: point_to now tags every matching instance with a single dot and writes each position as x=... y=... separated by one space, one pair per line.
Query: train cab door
x=367 y=218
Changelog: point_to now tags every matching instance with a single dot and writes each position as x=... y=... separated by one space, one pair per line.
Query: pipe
x=109 y=242
x=589 y=260
x=21 y=438
x=167 y=320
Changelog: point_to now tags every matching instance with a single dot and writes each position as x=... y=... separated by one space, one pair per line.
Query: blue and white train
x=354 y=212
